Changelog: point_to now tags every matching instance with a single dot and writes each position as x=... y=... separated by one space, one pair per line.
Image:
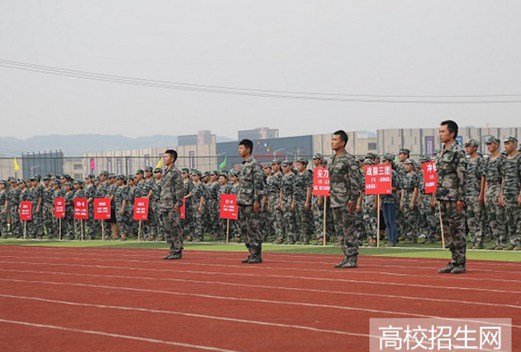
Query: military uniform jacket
x=251 y=182
x=172 y=189
x=120 y=195
x=492 y=169
x=287 y=185
x=13 y=198
x=474 y=173
x=451 y=164
x=345 y=180
x=300 y=187
x=511 y=172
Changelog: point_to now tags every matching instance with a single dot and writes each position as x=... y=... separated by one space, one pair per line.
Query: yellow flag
x=16 y=166
x=159 y=164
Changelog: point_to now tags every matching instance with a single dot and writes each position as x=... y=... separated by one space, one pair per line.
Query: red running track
x=79 y=299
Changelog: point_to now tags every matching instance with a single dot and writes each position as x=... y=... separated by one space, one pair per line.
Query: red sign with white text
x=229 y=208
x=102 y=208
x=26 y=211
x=378 y=179
x=430 y=177
x=321 y=182
x=141 y=209
x=81 y=211
x=59 y=208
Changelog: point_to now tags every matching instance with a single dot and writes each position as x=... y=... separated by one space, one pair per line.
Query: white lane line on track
x=119 y=336
x=190 y=315
x=256 y=275
x=249 y=300
x=280 y=288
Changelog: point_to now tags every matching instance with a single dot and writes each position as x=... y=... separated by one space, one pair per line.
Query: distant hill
x=77 y=145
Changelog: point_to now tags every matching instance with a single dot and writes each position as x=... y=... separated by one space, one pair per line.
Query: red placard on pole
x=321 y=182
x=378 y=179
x=182 y=210
x=141 y=209
x=59 y=208
x=102 y=208
x=81 y=211
x=430 y=177
x=26 y=211
x=229 y=208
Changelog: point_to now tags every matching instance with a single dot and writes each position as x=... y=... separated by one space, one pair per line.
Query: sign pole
x=441 y=225
x=227 y=230
x=324 y=222
x=25 y=229
x=103 y=230
x=378 y=221
x=81 y=229
x=139 y=231
x=60 y=228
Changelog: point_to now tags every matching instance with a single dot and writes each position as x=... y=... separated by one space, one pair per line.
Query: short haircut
x=172 y=152
x=452 y=126
x=247 y=143
x=343 y=135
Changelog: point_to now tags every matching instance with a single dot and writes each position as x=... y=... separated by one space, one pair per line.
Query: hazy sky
x=387 y=47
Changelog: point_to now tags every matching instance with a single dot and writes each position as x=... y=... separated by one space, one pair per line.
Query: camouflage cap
x=3 y=182
x=21 y=181
x=372 y=156
x=368 y=161
x=276 y=161
x=140 y=171
x=234 y=173
x=90 y=177
x=131 y=178
x=212 y=173
x=303 y=161
x=472 y=143
x=67 y=184
x=267 y=165
x=184 y=170
x=12 y=180
x=46 y=178
x=112 y=176
x=318 y=156
x=32 y=179
x=149 y=169
x=493 y=139
x=104 y=173
x=76 y=182
x=424 y=159
x=158 y=170
x=388 y=157
x=510 y=139
x=408 y=162
x=404 y=151
x=287 y=163
x=120 y=177
x=206 y=174
x=223 y=174
x=324 y=161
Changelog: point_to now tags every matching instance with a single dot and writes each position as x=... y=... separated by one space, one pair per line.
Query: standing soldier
x=264 y=215
x=213 y=205
x=251 y=191
x=510 y=197
x=170 y=201
x=188 y=222
x=57 y=192
x=68 y=225
x=158 y=175
x=79 y=192
x=234 y=225
x=301 y=204
x=427 y=217
x=369 y=209
x=111 y=190
x=286 y=199
x=133 y=226
x=13 y=198
x=409 y=194
x=345 y=190
x=451 y=165
x=37 y=198
x=151 y=224
x=474 y=193
x=90 y=194
x=403 y=155
x=102 y=191
x=492 y=191
x=121 y=207
x=273 y=184
x=47 y=207
x=198 y=203
x=317 y=204
x=3 y=208
x=224 y=188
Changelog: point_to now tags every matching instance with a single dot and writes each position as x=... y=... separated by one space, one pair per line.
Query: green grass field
x=404 y=251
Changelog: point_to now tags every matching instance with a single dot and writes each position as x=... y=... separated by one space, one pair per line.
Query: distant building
x=202 y=137
x=259 y=133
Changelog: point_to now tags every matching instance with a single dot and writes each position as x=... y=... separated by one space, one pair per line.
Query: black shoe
x=346 y=264
x=246 y=260
x=173 y=256
x=252 y=260
x=448 y=269
x=458 y=270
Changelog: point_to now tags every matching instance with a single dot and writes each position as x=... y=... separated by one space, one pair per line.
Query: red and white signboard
x=141 y=209
x=430 y=177
x=102 y=208
x=182 y=210
x=378 y=179
x=321 y=182
x=81 y=211
x=59 y=208
x=26 y=211
x=229 y=208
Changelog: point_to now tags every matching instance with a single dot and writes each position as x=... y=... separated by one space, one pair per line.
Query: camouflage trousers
x=360 y=226
x=474 y=219
x=288 y=221
x=251 y=233
x=454 y=228
x=345 y=225
x=68 y=226
x=3 y=224
x=172 y=229
x=187 y=224
x=123 y=222
x=513 y=220
x=36 y=225
x=47 y=218
x=16 y=226
x=149 y=228
x=303 y=218
x=198 y=229
x=496 y=215
x=276 y=218
x=409 y=219
x=369 y=216
x=427 y=220
x=212 y=217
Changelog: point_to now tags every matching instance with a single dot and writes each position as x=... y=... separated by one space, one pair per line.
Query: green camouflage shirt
x=451 y=165
x=492 y=169
x=511 y=172
x=172 y=190
x=474 y=173
x=251 y=182
x=346 y=180
x=300 y=187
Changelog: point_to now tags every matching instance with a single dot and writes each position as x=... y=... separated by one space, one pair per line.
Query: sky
x=342 y=48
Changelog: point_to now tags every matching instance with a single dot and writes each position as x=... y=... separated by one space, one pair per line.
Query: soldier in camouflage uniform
x=199 y=196
x=47 y=207
x=345 y=190
x=13 y=198
x=57 y=192
x=368 y=209
x=151 y=224
x=301 y=205
x=121 y=204
x=403 y=155
x=212 y=205
x=390 y=202
x=235 y=231
x=102 y=191
x=3 y=208
x=408 y=202
x=170 y=201
x=492 y=175
x=286 y=199
x=318 y=209
x=427 y=217
x=510 y=197
x=37 y=199
x=474 y=193
x=189 y=221
x=251 y=191
x=224 y=188
x=111 y=190
x=91 y=225
x=68 y=223
x=451 y=165
x=158 y=175
x=133 y=226
x=79 y=192
x=273 y=184
x=264 y=215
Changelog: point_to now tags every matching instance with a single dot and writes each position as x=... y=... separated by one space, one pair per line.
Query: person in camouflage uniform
x=251 y=191
x=102 y=191
x=368 y=209
x=79 y=192
x=68 y=223
x=345 y=190
x=409 y=194
x=427 y=217
x=224 y=188
x=212 y=205
x=510 y=197
x=235 y=231
x=170 y=202
x=37 y=199
x=492 y=189
x=189 y=221
x=149 y=185
x=13 y=198
x=264 y=215
x=286 y=199
x=451 y=165
x=3 y=208
x=390 y=202
x=198 y=197
x=57 y=192
x=121 y=207
x=133 y=225
x=317 y=204
x=301 y=204
x=47 y=208
x=403 y=155
x=91 y=225
x=25 y=196
x=474 y=193
x=158 y=175
x=273 y=184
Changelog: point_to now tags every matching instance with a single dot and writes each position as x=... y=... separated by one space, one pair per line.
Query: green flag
x=223 y=164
